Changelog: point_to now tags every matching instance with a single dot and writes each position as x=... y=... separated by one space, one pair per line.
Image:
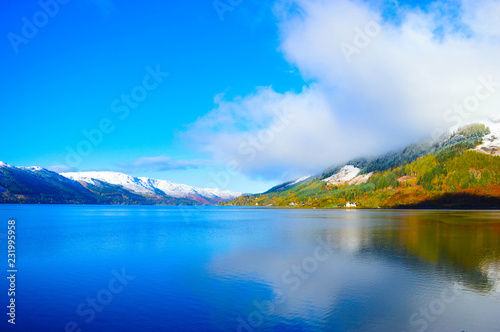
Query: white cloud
x=275 y=135
x=482 y=17
x=401 y=83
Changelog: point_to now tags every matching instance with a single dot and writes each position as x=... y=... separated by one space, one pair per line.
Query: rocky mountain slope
x=39 y=185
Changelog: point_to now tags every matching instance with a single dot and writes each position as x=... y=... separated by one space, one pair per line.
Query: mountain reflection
x=464 y=245
x=393 y=259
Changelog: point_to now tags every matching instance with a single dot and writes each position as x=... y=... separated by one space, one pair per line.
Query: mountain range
x=459 y=170
x=39 y=185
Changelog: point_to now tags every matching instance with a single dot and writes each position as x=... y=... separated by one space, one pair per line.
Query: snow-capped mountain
x=483 y=137
x=151 y=187
x=302 y=179
x=491 y=142
x=39 y=185
x=348 y=174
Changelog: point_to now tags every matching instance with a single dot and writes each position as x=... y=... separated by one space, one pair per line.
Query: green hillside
x=444 y=175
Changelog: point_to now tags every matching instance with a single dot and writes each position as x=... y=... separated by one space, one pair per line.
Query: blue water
x=155 y=268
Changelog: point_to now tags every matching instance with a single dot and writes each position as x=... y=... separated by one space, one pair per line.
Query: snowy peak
x=2 y=164
x=33 y=169
x=345 y=174
x=152 y=187
x=126 y=181
x=491 y=142
x=38 y=185
x=348 y=175
x=300 y=180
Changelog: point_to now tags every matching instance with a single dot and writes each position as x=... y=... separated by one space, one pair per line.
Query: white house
x=351 y=204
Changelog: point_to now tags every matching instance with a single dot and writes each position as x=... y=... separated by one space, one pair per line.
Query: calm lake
x=156 y=268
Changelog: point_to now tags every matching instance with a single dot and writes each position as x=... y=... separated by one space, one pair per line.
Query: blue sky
x=64 y=79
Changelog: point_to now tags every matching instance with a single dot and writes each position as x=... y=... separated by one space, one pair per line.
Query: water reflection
x=372 y=270
x=241 y=269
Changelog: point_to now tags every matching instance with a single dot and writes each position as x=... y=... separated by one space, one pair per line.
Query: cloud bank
x=381 y=80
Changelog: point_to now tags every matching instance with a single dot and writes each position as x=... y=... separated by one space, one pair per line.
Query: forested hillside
x=445 y=174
